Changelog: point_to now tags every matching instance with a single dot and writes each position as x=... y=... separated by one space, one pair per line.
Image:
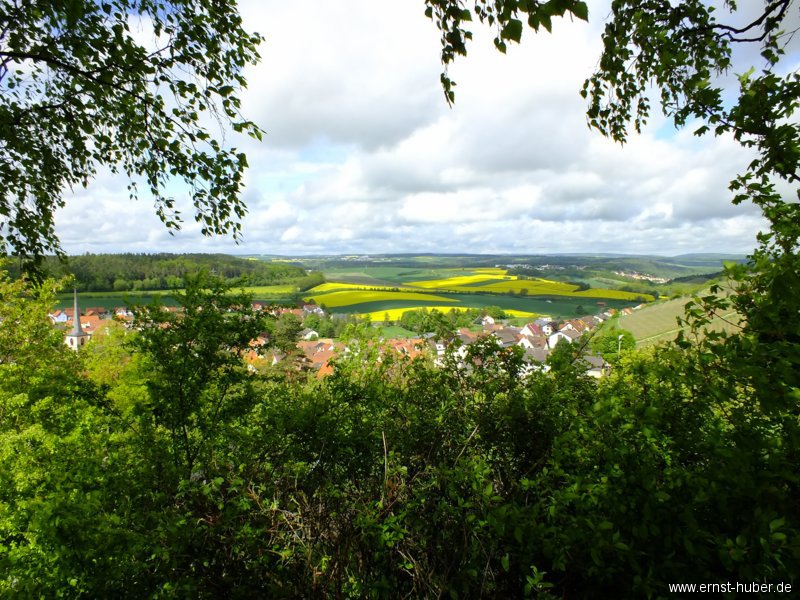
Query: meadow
x=659 y=322
x=110 y=300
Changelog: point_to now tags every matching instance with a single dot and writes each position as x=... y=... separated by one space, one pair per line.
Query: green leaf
x=581 y=10
x=512 y=30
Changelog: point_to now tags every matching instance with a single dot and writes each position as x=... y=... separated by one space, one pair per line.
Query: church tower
x=77 y=337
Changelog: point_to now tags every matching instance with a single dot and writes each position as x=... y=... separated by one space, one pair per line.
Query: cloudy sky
x=363 y=155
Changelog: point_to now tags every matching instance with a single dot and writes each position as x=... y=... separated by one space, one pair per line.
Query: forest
x=137 y=272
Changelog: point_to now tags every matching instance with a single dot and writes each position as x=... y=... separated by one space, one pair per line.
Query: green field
x=263 y=293
x=659 y=322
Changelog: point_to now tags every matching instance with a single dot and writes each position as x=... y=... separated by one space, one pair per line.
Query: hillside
x=658 y=322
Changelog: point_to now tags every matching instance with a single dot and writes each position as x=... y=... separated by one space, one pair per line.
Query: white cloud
x=363 y=154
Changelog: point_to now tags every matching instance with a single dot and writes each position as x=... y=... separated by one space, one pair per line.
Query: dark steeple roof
x=77 y=331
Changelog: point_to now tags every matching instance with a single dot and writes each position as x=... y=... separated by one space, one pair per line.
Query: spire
x=76 y=319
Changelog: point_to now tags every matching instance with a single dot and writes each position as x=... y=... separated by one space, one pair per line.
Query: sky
x=362 y=155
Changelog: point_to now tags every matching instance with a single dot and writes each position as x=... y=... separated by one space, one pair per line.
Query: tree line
x=125 y=272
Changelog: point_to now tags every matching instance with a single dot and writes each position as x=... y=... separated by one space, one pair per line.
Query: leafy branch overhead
x=506 y=16
x=681 y=55
x=137 y=86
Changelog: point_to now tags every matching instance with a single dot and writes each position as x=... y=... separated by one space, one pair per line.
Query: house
x=411 y=347
x=313 y=309
x=532 y=341
x=536 y=360
x=507 y=337
x=487 y=320
x=317 y=354
x=308 y=334
x=92 y=323
x=61 y=316
x=123 y=314
x=592 y=322
x=548 y=326
x=531 y=329
x=97 y=311
x=570 y=335
x=596 y=366
x=467 y=336
x=438 y=345
x=574 y=324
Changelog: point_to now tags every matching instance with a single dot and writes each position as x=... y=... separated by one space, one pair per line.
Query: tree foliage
x=81 y=91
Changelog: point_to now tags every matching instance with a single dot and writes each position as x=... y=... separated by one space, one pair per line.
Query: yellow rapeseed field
x=396 y=313
x=453 y=283
x=270 y=290
x=532 y=287
x=335 y=286
x=348 y=297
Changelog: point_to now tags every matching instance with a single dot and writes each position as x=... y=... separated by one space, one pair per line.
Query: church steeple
x=76 y=318
x=77 y=337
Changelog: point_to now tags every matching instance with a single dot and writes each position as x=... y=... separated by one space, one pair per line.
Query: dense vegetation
x=125 y=272
x=155 y=465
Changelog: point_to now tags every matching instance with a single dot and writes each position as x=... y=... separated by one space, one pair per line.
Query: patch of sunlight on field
x=533 y=287
x=527 y=287
x=335 y=286
x=348 y=297
x=270 y=290
x=396 y=313
x=453 y=283
x=491 y=271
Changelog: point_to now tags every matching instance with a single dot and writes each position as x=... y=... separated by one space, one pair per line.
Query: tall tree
x=81 y=88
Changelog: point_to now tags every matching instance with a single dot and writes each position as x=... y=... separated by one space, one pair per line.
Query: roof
x=507 y=337
x=595 y=361
x=538 y=355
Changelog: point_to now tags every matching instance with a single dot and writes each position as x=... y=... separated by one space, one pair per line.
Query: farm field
x=481 y=280
x=376 y=290
x=659 y=322
x=269 y=293
x=461 y=288
x=395 y=314
x=356 y=297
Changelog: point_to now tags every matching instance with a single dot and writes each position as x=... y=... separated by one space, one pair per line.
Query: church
x=77 y=337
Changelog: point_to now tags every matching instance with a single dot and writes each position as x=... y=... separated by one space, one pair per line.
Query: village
x=311 y=352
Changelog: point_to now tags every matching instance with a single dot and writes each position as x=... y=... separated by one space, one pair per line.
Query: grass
x=396 y=313
x=116 y=299
x=395 y=331
x=659 y=322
